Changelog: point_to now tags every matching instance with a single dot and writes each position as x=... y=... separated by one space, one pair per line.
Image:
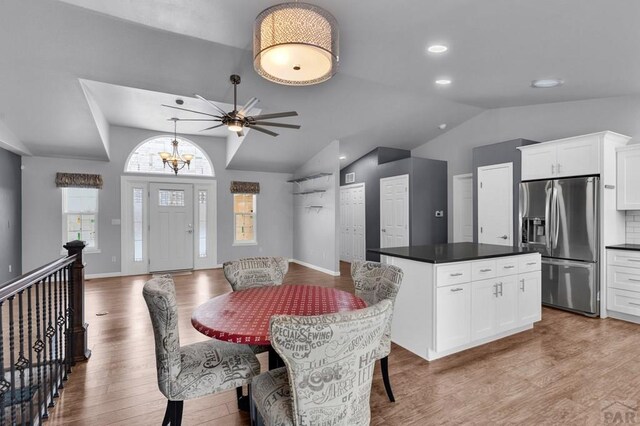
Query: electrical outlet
x=10 y=268
x=113 y=259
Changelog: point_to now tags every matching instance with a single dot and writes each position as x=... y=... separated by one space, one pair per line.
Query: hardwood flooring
x=564 y=371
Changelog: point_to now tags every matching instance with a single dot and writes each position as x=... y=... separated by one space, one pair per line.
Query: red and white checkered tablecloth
x=243 y=316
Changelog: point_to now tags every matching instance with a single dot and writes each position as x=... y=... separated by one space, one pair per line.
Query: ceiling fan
x=237 y=120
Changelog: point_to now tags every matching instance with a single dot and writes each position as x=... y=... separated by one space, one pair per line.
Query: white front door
x=495 y=204
x=463 y=208
x=171 y=227
x=352 y=222
x=394 y=211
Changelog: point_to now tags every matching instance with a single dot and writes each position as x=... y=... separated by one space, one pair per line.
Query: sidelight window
x=244 y=213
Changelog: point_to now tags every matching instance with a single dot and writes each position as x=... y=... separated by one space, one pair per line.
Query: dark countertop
x=454 y=252
x=625 y=247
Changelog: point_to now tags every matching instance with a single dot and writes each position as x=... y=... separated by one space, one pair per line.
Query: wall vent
x=350 y=177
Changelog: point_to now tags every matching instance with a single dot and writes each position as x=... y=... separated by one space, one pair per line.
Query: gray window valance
x=78 y=180
x=245 y=187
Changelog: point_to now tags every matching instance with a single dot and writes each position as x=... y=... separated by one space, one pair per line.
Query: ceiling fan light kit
x=295 y=44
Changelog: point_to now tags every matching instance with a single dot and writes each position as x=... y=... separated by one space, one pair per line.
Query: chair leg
x=173 y=415
x=384 y=364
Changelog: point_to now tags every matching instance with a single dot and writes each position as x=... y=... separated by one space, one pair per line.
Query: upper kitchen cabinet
x=628 y=177
x=575 y=156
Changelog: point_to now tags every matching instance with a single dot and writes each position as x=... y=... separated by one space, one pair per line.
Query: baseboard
x=624 y=317
x=102 y=275
x=317 y=268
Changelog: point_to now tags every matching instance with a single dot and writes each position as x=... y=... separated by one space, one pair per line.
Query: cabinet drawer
x=624 y=278
x=624 y=301
x=627 y=258
x=455 y=273
x=507 y=266
x=529 y=264
x=483 y=269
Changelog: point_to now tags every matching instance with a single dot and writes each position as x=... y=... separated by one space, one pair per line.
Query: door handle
x=504 y=237
x=383 y=230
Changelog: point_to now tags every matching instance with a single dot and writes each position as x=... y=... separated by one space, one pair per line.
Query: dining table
x=243 y=316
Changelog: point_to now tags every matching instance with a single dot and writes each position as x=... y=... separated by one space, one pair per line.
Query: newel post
x=79 y=345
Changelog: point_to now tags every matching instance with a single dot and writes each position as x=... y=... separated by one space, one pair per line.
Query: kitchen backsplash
x=633 y=226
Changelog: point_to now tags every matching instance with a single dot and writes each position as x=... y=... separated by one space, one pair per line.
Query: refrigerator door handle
x=547 y=226
x=556 y=218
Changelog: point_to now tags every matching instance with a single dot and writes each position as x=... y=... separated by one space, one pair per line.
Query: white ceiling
x=382 y=95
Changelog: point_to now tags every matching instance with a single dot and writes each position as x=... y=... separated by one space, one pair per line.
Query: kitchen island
x=460 y=295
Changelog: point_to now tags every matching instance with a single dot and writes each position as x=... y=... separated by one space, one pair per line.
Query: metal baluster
x=59 y=335
x=12 y=361
x=71 y=314
x=30 y=343
x=38 y=347
x=50 y=333
x=54 y=344
x=22 y=362
x=45 y=348
x=4 y=386
x=67 y=331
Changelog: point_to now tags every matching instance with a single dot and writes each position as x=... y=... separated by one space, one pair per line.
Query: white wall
x=42 y=210
x=315 y=232
x=538 y=122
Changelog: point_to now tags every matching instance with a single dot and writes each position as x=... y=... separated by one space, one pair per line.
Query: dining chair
x=253 y=272
x=191 y=371
x=374 y=282
x=329 y=361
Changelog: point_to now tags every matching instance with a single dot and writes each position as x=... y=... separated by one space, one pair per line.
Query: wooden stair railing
x=42 y=335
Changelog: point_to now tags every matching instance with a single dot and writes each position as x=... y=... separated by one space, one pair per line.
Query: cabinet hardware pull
x=457 y=274
x=633 y=303
x=495 y=289
x=522 y=286
x=485 y=270
x=634 y=280
x=558 y=168
x=500 y=284
x=531 y=263
x=553 y=168
x=456 y=289
x=509 y=267
x=633 y=260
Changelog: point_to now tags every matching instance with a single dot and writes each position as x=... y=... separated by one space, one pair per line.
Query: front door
x=394 y=211
x=171 y=227
x=495 y=204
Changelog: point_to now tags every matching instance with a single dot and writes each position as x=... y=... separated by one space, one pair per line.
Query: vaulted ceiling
x=384 y=93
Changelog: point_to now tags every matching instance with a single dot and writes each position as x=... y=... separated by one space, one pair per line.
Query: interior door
x=463 y=208
x=345 y=225
x=171 y=227
x=394 y=211
x=359 y=228
x=352 y=223
x=495 y=204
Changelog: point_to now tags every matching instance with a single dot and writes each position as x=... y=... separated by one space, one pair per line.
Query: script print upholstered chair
x=329 y=363
x=374 y=282
x=194 y=370
x=253 y=272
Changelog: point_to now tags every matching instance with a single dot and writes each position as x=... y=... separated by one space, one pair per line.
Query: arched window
x=145 y=158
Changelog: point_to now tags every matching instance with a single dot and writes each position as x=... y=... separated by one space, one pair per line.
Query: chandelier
x=295 y=44
x=174 y=159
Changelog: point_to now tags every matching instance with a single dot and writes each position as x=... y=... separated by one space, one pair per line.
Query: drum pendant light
x=295 y=44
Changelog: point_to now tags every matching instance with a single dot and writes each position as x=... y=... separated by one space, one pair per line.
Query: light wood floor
x=562 y=372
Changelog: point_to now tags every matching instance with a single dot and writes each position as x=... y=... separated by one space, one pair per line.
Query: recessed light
x=437 y=48
x=443 y=81
x=342 y=157
x=546 y=83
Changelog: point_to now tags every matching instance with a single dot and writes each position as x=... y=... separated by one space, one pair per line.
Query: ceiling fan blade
x=212 y=104
x=212 y=127
x=196 y=119
x=240 y=133
x=267 y=123
x=190 y=110
x=247 y=107
x=274 y=115
x=262 y=129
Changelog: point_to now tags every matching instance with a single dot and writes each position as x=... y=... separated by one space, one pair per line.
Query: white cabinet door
x=483 y=308
x=538 y=162
x=507 y=303
x=579 y=157
x=453 y=319
x=628 y=178
x=529 y=301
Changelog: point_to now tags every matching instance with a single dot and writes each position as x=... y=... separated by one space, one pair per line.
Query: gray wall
x=316 y=232
x=537 y=122
x=498 y=153
x=10 y=220
x=427 y=184
x=42 y=210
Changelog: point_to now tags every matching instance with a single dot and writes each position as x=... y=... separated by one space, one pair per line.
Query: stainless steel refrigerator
x=560 y=219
